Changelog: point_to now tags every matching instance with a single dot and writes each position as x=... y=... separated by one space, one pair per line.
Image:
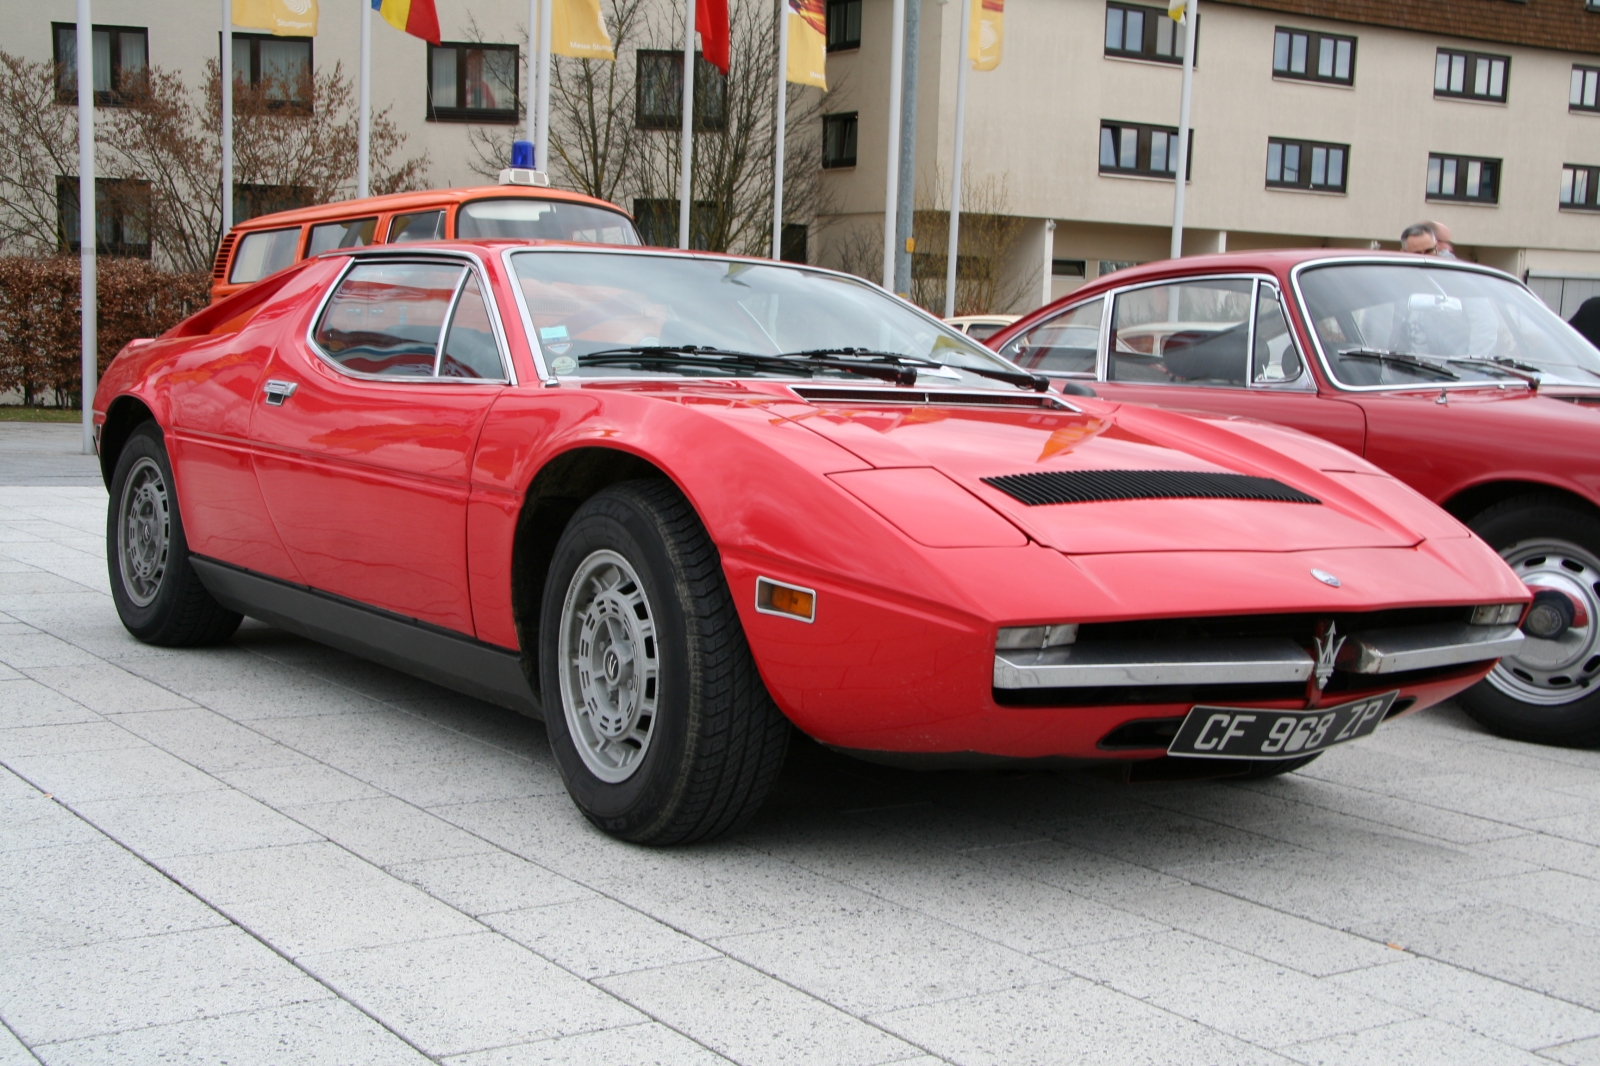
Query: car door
x=364 y=430
x=1218 y=345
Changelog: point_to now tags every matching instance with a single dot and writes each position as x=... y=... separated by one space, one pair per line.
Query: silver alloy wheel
x=609 y=662
x=1550 y=673
x=144 y=531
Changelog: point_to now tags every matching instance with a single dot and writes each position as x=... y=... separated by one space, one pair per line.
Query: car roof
x=408 y=201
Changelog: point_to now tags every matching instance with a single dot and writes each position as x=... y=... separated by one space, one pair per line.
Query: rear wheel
x=660 y=724
x=1549 y=692
x=158 y=595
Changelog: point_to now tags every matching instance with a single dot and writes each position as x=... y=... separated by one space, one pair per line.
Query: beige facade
x=184 y=34
x=1034 y=124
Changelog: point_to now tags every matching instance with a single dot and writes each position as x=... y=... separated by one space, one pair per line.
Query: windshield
x=583 y=304
x=1452 y=323
x=522 y=219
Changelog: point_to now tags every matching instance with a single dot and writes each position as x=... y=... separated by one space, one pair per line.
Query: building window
x=658 y=99
x=1578 y=187
x=1585 y=82
x=121 y=57
x=1307 y=56
x=1452 y=177
x=1306 y=165
x=792 y=246
x=1148 y=151
x=472 y=83
x=1068 y=268
x=657 y=222
x=252 y=201
x=844 y=25
x=278 y=67
x=121 y=216
x=1470 y=76
x=1143 y=33
x=839 y=140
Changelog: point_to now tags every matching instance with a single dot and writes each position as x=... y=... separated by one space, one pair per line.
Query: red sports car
x=1451 y=377
x=676 y=502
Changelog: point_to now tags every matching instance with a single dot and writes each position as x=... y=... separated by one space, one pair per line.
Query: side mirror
x=1077 y=388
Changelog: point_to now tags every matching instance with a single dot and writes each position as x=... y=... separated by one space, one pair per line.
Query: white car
x=981 y=327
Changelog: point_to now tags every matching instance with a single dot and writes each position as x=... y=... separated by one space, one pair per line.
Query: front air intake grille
x=1089 y=486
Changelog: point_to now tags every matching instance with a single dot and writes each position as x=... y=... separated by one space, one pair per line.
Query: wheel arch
x=126 y=414
x=556 y=492
x=1473 y=501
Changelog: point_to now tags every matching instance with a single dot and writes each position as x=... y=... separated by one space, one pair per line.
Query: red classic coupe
x=676 y=502
x=1451 y=377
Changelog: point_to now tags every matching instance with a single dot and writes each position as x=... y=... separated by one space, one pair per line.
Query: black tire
x=158 y=595
x=1509 y=527
x=709 y=740
x=1278 y=768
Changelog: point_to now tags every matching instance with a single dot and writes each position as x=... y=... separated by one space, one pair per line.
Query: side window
x=385 y=318
x=423 y=226
x=1066 y=344
x=470 y=350
x=348 y=233
x=263 y=253
x=1184 y=333
x=1275 y=360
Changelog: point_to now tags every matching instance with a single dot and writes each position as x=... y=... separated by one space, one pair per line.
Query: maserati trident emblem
x=1328 y=645
x=1325 y=577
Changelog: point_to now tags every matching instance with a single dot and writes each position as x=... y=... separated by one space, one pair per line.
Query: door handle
x=279 y=391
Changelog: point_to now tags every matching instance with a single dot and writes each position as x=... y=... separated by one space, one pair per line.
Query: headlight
x=1033 y=638
x=1497 y=614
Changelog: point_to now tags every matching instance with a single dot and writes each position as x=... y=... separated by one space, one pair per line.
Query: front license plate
x=1252 y=733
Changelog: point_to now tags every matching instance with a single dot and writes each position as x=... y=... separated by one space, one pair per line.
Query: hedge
x=40 y=328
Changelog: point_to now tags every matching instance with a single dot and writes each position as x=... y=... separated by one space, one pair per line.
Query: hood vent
x=1090 y=486
x=1037 y=401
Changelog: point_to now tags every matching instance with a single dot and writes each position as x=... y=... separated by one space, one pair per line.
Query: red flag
x=711 y=19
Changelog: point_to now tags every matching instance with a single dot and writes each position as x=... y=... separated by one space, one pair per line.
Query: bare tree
x=38 y=144
x=732 y=174
x=299 y=137
x=989 y=233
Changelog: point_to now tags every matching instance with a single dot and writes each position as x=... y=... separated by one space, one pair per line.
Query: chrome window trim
x=1306 y=382
x=1390 y=260
x=535 y=347
x=470 y=262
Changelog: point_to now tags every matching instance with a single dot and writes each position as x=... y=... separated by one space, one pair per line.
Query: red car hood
x=1360 y=507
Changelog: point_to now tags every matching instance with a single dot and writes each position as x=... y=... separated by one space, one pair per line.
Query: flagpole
x=780 y=123
x=533 y=71
x=88 y=232
x=541 y=143
x=962 y=63
x=364 y=106
x=1180 y=176
x=688 y=124
x=897 y=34
x=227 y=116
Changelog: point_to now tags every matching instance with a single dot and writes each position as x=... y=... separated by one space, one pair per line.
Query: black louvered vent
x=1088 y=486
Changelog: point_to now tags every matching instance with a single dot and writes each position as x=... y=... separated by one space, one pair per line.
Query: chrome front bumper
x=1247 y=661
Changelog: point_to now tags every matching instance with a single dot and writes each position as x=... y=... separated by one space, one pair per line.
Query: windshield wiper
x=700 y=355
x=1020 y=378
x=1505 y=365
x=1416 y=362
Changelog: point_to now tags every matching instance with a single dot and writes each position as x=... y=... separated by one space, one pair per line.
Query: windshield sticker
x=552 y=333
x=564 y=364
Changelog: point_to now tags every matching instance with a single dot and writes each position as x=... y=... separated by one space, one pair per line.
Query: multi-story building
x=1315 y=122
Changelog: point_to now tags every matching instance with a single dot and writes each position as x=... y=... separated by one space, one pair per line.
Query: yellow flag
x=577 y=29
x=284 y=18
x=808 y=43
x=1176 y=9
x=988 y=30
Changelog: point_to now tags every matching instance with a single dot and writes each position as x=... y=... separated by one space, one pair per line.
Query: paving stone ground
x=271 y=852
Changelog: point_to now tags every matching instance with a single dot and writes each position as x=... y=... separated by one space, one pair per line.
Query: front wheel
x=660 y=724
x=1549 y=692
x=158 y=595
